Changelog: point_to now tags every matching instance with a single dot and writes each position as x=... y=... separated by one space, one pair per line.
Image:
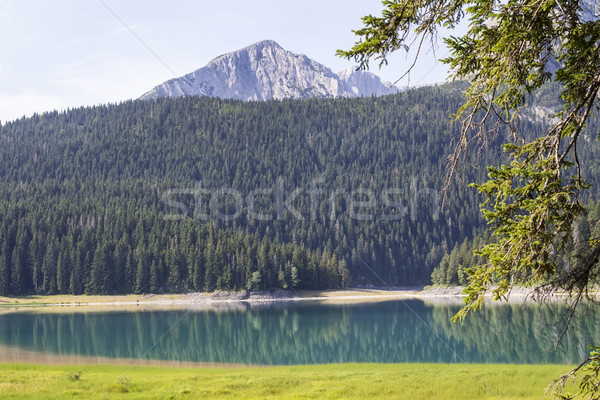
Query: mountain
x=365 y=84
x=264 y=71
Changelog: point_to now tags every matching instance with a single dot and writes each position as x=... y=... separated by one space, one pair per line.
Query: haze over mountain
x=264 y=71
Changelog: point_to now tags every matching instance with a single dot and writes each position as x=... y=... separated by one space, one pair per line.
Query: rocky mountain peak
x=264 y=71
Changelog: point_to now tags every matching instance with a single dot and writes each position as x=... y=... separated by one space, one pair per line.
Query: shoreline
x=15 y=355
x=341 y=296
x=214 y=298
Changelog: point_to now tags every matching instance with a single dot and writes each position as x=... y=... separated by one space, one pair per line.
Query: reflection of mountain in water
x=398 y=331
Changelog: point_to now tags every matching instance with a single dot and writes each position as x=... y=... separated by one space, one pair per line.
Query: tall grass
x=335 y=381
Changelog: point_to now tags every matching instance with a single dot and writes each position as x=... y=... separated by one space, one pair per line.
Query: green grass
x=336 y=381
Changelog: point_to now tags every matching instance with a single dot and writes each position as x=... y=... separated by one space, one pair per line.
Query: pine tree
x=49 y=269
x=142 y=276
x=4 y=276
x=63 y=270
x=174 y=278
x=255 y=282
x=19 y=262
x=76 y=284
x=130 y=272
x=98 y=282
x=295 y=284
x=154 y=277
x=198 y=273
x=36 y=256
x=281 y=279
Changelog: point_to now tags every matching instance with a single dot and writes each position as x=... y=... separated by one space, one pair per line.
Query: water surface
x=304 y=333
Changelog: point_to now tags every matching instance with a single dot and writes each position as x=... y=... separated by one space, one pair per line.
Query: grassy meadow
x=334 y=381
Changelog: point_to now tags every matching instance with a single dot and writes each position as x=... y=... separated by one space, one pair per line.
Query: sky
x=61 y=54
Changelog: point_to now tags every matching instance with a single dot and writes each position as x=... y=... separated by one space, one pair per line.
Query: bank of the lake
x=341 y=295
x=432 y=292
x=214 y=297
x=437 y=293
x=334 y=381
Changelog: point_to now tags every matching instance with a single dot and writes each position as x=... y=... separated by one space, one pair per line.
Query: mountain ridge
x=263 y=71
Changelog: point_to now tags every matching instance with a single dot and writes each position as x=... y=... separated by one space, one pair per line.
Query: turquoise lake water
x=307 y=333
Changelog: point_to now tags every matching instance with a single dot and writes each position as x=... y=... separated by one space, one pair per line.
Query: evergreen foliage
x=86 y=195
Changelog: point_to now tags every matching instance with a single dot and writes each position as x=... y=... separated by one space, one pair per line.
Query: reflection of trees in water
x=521 y=333
x=407 y=331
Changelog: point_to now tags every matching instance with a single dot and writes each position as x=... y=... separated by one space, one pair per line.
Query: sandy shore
x=202 y=300
x=20 y=356
x=350 y=295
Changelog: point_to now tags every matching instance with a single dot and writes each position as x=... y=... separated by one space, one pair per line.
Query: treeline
x=59 y=250
x=355 y=185
x=453 y=266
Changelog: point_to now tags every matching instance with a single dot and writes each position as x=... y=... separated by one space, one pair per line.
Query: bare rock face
x=363 y=83
x=265 y=71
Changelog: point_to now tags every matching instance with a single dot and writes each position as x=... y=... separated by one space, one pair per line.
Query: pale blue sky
x=66 y=53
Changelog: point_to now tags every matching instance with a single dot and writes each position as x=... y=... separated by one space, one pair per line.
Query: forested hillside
x=452 y=268
x=204 y=194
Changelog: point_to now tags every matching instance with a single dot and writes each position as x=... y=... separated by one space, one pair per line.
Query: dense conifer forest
x=200 y=194
x=453 y=266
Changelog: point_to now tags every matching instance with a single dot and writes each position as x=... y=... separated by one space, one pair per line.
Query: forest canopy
x=110 y=199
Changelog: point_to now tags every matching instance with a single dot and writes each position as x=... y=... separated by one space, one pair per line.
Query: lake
x=285 y=333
